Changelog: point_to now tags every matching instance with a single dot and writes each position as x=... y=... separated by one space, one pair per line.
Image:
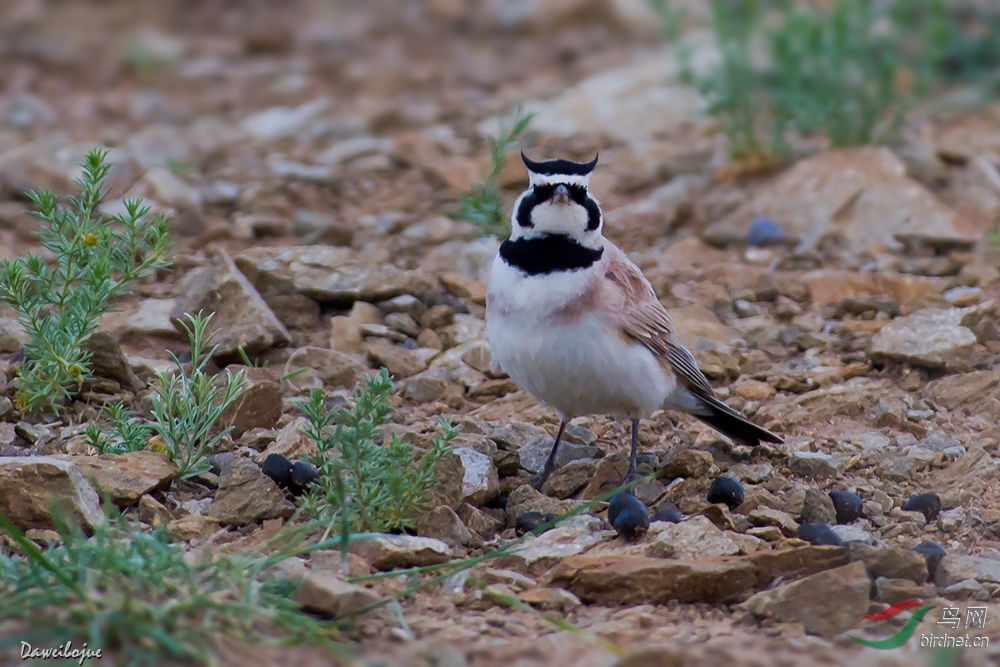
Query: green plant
x=973 y=44
x=790 y=69
x=96 y=260
x=180 y=167
x=992 y=235
x=128 y=433
x=188 y=403
x=143 y=58
x=365 y=485
x=133 y=592
x=671 y=22
x=251 y=363
x=482 y=205
x=731 y=88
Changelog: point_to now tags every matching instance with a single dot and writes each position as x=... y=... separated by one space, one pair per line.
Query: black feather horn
x=556 y=167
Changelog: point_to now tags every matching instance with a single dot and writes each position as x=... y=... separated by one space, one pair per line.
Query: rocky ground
x=308 y=154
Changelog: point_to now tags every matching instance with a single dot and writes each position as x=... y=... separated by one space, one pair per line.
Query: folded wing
x=645 y=320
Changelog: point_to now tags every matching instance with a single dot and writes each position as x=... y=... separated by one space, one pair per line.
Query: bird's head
x=558 y=203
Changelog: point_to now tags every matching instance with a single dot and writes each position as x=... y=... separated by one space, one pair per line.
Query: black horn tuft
x=556 y=167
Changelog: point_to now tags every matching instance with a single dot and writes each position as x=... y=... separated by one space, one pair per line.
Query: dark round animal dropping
x=529 y=521
x=817 y=532
x=932 y=553
x=628 y=515
x=927 y=504
x=278 y=468
x=848 y=505
x=303 y=475
x=667 y=512
x=727 y=491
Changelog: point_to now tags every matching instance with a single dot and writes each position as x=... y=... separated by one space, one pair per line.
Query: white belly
x=580 y=368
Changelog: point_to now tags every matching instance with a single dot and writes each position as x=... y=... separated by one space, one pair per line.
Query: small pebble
x=628 y=515
x=744 y=308
x=933 y=553
x=953 y=453
x=529 y=521
x=927 y=504
x=667 y=512
x=278 y=468
x=963 y=295
x=764 y=231
x=219 y=461
x=727 y=491
x=848 y=505
x=854 y=532
x=819 y=533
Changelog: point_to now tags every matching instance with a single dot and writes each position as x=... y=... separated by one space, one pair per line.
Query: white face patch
x=547 y=218
x=569 y=179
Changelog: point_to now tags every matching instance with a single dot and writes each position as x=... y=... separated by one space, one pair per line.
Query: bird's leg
x=627 y=514
x=550 y=464
x=632 y=474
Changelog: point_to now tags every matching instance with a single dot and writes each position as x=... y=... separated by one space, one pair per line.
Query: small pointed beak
x=561 y=195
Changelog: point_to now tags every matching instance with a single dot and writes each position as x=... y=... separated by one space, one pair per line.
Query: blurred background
x=792 y=175
x=255 y=120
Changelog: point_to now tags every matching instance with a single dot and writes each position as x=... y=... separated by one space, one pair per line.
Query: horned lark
x=575 y=323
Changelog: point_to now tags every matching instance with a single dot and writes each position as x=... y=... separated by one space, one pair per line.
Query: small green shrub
x=128 y=433
x=188 y=403
x=365 y=485
x=992 y=235
x=97 y=258
x=482 y=206
x=134 y=593
x=973 y=45
x=790 y=69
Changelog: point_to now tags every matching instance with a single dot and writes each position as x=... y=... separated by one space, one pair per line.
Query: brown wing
x=642 y=317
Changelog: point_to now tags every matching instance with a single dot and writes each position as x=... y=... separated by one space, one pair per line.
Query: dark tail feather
x=727 y=421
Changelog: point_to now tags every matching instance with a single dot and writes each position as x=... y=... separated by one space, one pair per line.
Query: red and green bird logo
x=904 y=633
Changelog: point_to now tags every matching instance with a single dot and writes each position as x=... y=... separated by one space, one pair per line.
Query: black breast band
x=550 y=253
